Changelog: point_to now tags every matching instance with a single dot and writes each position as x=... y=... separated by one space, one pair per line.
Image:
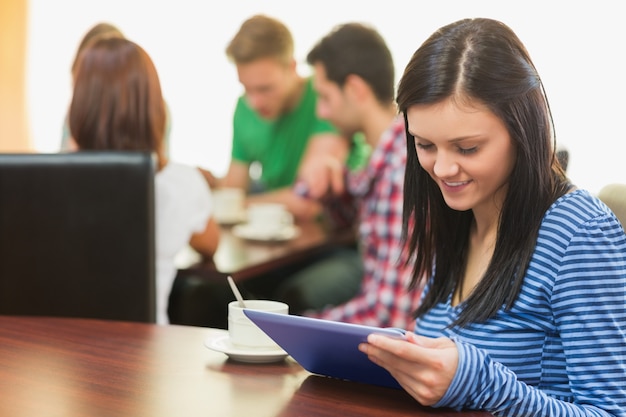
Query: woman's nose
x=445 y=165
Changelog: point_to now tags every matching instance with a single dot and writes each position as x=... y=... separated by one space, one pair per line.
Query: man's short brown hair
x=261 y=37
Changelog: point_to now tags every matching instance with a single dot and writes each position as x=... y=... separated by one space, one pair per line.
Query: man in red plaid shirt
x=354 y=78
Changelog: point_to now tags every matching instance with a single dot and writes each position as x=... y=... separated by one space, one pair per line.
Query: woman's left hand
x=423 y=366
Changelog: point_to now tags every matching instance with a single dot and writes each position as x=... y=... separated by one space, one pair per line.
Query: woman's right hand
x=423 y=366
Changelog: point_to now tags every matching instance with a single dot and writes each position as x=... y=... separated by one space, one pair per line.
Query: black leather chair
x=77 y=235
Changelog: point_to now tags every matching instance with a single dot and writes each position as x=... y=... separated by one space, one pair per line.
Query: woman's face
x=466 y=150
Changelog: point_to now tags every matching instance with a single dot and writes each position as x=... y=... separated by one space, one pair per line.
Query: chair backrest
x=614 y=196
x=77 y=235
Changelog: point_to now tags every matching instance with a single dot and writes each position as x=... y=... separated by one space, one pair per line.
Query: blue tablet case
x=326 y=347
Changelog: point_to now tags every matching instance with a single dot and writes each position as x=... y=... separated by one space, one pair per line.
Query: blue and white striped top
x=561 y=349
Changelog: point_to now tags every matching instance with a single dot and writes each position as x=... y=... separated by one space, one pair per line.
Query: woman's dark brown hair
x=98 y=31
x=117 y=102
x=480 y=61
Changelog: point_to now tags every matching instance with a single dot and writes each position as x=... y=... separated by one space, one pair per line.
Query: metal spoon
x=236 y=292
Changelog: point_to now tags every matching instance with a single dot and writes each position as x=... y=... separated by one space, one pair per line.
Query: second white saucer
x=248 y=231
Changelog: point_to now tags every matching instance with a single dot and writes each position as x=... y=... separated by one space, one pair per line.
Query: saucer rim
x=286 y=233
x=262 y=355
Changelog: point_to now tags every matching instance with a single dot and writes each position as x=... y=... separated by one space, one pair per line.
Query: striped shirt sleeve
x=574 y=297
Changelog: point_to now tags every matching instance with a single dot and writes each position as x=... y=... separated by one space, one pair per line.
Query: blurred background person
x=354 y=78
x=275 y=128
x=101 y=30
x=117 y=104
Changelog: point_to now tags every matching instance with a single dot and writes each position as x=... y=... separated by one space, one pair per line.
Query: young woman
x=117 y=105
x=524 y=313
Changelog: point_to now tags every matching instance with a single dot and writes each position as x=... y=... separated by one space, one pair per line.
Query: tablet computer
x=325 y=347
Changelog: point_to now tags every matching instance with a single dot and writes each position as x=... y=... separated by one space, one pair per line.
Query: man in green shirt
x=275 y=126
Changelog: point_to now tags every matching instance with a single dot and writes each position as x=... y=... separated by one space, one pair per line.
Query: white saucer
x=219 y=342
x=247 y=231
x=232 y=218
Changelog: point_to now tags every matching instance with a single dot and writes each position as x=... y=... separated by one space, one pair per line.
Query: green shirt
x=278 y=145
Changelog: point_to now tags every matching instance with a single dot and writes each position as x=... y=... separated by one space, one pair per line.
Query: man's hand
x=322 y=166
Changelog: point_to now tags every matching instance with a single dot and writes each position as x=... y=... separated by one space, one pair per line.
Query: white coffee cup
x=228 y=203
x=243 y=333
x=269 y=217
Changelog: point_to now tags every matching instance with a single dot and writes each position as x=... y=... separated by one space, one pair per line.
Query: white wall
x=577 y=48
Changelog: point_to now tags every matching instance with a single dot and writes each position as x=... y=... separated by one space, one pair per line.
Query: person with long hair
x=101 y=30
x=523 y=311
x=118 y=105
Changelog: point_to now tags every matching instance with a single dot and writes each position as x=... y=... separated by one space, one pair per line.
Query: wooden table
x=242 y=258
x=76 y=367
x=200 y=293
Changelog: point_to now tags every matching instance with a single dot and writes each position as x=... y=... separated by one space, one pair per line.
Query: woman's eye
x=423 y=145
x=466 y=151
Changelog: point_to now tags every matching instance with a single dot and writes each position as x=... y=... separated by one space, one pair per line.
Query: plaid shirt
x=384 y=299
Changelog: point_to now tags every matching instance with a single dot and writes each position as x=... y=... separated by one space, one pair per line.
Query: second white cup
x=269 y=217
x=228 y=204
